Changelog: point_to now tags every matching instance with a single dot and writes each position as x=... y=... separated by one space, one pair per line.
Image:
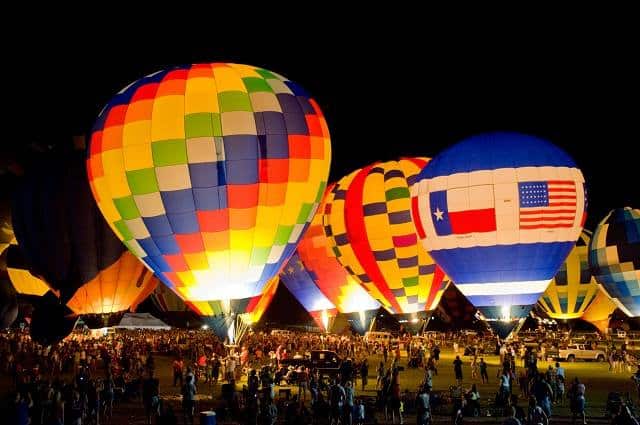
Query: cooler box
x=208 y=418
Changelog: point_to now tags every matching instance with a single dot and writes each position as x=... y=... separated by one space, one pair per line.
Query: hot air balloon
x=336 y=284
x=614 y=257
x=301 y=283
x=210 y=173
x=573 y=287
x=166 y=305
x=499 y=213
x=67 y=243
x=367 y=220
x=599 y=311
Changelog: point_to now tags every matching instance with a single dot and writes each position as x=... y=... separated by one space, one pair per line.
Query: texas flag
x=465 y=210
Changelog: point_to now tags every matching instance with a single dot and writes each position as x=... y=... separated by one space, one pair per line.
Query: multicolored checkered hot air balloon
x=614 y=256
x=336 y=284
x=573 y=287
x=368 y=223
x=300 y=281
x=499 y=213
x=210 y=173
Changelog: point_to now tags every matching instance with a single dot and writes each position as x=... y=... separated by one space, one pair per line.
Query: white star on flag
x=438 y=213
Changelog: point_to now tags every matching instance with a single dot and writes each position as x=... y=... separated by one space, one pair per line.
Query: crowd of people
x=80 y=380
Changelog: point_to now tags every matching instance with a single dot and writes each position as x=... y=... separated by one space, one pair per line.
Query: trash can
x=208 y=418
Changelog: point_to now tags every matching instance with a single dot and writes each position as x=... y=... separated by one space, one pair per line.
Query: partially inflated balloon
x=368 y=223
x=599 y=311
x=210 y=173
x=8 y=303
x=573 y=287
x=614 y=256
x=301 y=283
x=119 y=287
x=64 y=238
x=499 y=213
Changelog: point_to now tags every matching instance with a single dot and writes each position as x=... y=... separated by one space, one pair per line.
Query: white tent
x=141 y=321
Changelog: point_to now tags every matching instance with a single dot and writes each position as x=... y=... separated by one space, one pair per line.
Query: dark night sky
x=387 y=91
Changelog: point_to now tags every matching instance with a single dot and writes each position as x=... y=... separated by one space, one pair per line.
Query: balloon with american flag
x=500 y=212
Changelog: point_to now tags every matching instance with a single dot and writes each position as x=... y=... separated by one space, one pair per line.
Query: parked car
x=575 y=352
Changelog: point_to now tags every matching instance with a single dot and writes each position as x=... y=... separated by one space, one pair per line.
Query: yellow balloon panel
x=27 y=284
x=573 y=288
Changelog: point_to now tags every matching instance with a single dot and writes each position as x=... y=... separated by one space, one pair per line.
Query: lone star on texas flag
x=438 y=213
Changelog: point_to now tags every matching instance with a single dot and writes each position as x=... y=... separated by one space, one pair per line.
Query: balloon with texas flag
x=500 y=212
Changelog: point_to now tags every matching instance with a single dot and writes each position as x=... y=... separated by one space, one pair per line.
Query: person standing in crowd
x=178 y=370
x=484 y=375
x=188 y=399
x=349 y=396
x=513 y=419
x=536 y=414
x=380 y=376
x=423 y=406
x=457 y=369
x=337 y=397
x=577 y=400
x=151 y=396
x=364 y=373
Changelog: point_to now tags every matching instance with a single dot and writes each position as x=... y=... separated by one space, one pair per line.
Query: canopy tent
x=141 y=321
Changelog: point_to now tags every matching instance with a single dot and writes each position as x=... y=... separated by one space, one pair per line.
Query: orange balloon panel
x=121 y=286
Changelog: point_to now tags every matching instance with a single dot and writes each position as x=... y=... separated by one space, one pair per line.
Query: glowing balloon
x=301 y=283
x=367 y=220
x=119 y=287
x=614 y=257
x=499 y=213
x=573 y=287
x=210 y=173
x=599 y=311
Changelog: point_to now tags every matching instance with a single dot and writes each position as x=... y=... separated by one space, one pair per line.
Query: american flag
x=547 y=204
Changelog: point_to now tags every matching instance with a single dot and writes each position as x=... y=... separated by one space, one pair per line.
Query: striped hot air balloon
x=301 y=282
x=368 y=223
x=573 y=288
x=210 y=173
x=336 y=284
x=614 y=256
x=499 y=213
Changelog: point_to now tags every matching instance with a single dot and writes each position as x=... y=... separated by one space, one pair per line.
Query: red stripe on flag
x=473 y=221
x=545 y=226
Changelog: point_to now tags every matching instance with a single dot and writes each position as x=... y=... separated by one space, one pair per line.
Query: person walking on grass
x=457 y=369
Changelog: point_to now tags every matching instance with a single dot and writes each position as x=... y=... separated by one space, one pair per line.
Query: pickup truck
x=325 y=361
x=575 y=352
